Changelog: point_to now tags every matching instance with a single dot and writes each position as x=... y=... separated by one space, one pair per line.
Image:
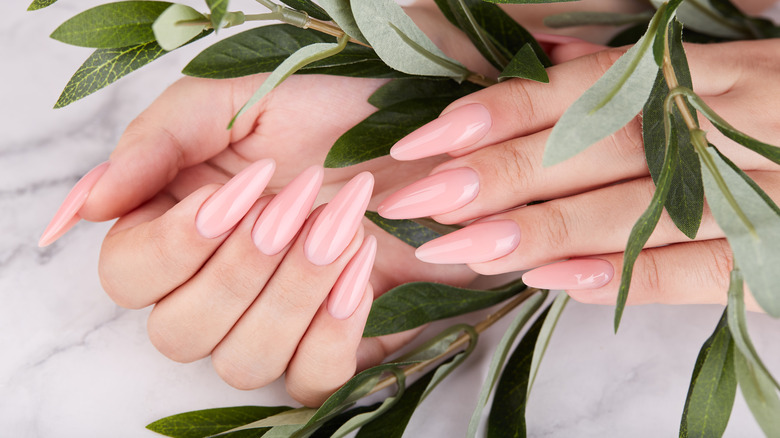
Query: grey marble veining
x=76 y=365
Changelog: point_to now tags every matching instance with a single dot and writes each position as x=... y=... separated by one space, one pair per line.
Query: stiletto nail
x=282 y=218
x=336 y=225
x=348 y=291
x=225 y=208
x=68 y=214
x=573 y=274
x=476 y=243
x=437 y=194
x=455 y=130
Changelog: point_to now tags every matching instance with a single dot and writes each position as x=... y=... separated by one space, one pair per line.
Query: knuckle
x=721 y=261
x=649 y=274
x=524 y=110
x=111 y=272
x=557 y=224
x=243 y=372
x=628 y=144
x=513 y=168
x=171 y=343
x=605 y=59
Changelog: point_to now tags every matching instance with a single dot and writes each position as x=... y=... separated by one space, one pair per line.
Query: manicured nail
x=68 y=214
x=476 y=243
x=553 y=39
x=225 y=208
x=282 y=218
x=455 y=130
x=336 y=225
x=437 y=194
x=573 y=274
x=348 y=291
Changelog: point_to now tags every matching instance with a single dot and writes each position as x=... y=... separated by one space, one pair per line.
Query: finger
x=140 y=264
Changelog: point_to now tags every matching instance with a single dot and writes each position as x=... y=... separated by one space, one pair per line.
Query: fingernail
x=455 y=130
x=550 y=38
x=68 y=214
x=349 y=288
x=225 y=208
x=437 y=194
x=573 y=274
x=282 y=218
x=476 y=243
x=336 y=225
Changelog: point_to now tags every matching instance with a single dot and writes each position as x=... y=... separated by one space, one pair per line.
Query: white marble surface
x=74 y=364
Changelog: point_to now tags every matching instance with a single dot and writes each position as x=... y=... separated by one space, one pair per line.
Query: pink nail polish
x=225 y=208
x=476 y=243
x=455 y=130
x=68 y=214
x=348 y=291
x=336 y=225
x=282 y=218
x=575 y=274
x=437 y=194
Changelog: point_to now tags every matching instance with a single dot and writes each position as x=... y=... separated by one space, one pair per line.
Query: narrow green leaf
x=272 y=425
x=411 y=88
x=737 y=320
x=406 y=230
x=40 y=4
x=218 y=10
x=331 y=426
x=308 y=6
x=592 y=18
x=172 y=30
x=545 y=334
x=341 y=11
x=525 y=65
x=466 y=21
x=760 y=395
x=400 y=43
x=615 y=99
x=411 y=305
x=713 y=387
x=207 y=422
x=499 y=356
x=665 y=27
x=757 y=253
x=528 y=2
x=361 y=419
x=769 y=202
x=700 y=16
x=507 y=413
x=628 y=36
x=112 y=25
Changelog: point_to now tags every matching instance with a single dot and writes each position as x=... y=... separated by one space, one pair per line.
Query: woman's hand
x=498 y=136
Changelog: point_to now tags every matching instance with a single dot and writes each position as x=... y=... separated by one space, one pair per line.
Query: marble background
x=74 y=364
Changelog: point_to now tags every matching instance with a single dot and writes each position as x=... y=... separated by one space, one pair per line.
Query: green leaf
x=749 y=181
x=700 y=16
x=218 y=10
x=400 y=43
x=545 y=333
x=112 y=25
x=685 y=202
x=361 y=419
x=525 y=65
x=331 y=426
x=263 y=49
x=408 y=231
x=341 y=11
x=292 y=419
x=172 y=30
x=760 y=395
x=628 y=36
x=411 y=305
x=507 y=413
x=207 y=422
x=592 y=18
x=308 y=6
x=411 y=88
x=529 y=2
x=499 y=356
x=755 y=251
x=615 y=99
x=713 y=387
x=40 y=4
x=464 y=19
x=738 y=324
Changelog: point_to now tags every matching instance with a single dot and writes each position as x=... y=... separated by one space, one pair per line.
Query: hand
x=258 y=314
x=498 y=136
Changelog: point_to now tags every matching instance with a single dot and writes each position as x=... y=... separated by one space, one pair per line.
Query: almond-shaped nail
x=348 y=291
x=575 y=274
x=437 y=194
x=455 y=130
x=225 y=208
x=283 y=217
x=336 y=225
x=476 y=243
x=68 y=214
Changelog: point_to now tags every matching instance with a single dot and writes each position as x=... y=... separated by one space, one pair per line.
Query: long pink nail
x=455 y=130
x=573 y=274
x=348 y=291
x=476 y=243
x=437 y=194
x=336 y=225
x=225 y=208
x=284 y=215
x=68 y=214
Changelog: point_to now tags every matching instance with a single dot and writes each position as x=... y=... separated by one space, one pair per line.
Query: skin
x=260 y=317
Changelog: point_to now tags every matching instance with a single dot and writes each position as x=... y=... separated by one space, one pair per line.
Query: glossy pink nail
x=225 y=208
x=455 y=130
x=437 y=194
x=282 y=218
x=573 y=274
x=348 y=291
x=336 y=225
x=476 y=243
x=68 y=214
